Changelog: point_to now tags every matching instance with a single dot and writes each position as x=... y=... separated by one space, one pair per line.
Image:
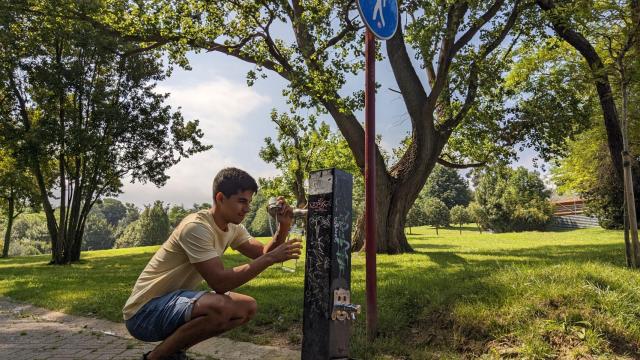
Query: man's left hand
x=285 y=214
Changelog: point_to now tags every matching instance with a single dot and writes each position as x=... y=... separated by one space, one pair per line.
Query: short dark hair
x=231 y=181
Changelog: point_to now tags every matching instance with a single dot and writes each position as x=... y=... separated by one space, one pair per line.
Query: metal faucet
x=343 y=309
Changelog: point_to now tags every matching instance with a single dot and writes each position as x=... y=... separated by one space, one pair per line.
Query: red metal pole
x=370 y=182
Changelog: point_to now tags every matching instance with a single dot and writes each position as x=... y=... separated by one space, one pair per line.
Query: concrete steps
x=566 y=222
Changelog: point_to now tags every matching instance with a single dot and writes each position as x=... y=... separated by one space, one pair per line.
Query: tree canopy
x=84 y=100
x=462 y=115
x=447 y=185
x=466 y=112
x=436 y=213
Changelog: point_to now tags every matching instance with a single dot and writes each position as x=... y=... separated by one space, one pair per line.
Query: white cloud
x=224 y=110
x=220 y=105
x=189 y=182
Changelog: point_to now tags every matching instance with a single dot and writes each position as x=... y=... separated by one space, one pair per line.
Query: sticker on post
x=321 y=182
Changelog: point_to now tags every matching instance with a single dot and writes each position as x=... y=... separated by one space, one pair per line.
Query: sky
x=235 y=121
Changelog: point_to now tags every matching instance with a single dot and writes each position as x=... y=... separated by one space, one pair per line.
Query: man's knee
x=224 y=312
x=252 y=308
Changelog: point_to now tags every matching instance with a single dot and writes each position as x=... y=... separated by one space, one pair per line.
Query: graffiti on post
x=341 y=228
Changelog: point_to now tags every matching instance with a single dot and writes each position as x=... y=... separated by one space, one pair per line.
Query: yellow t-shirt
x=197 y=238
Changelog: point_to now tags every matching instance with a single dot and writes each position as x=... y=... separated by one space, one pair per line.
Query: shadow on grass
x=420 y=246
x=612 y=254
x=444 y=258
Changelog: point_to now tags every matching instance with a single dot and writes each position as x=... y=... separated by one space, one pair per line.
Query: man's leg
x=212 y=315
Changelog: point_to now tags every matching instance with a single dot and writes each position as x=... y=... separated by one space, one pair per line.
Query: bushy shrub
x=29 y=236
x=130 y=236
x=260 y=224
x=24 y=247
x=152 y=228
x=416 y=215
x=98 y=233
x=478 y=215
x=513 y=200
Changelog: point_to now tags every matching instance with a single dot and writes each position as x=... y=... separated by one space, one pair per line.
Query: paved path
x=30 y=333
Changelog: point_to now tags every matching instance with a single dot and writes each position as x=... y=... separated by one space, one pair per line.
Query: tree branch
x=304 y=39
x=410 y=86
x=472 y=87
x=473 y=30
x=454 y=16
x=350 y=27
x=472 y=92
x=448 y=164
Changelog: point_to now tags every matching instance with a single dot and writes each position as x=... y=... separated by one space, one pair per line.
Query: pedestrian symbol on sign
x=380 y=16
x=377 y=12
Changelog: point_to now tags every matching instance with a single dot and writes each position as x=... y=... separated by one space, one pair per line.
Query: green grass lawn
x=520 y=295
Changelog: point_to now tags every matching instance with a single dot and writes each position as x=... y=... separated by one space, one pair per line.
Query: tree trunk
x=390 y=218
x=390 y=237
x=627 y=241
x=631 y=210
x=52 y=225
x=357 y=241
x=7 y=234
x=301 y=196
x=437 y=231
x=34 y=159
x=635 y=16
x=75 y=249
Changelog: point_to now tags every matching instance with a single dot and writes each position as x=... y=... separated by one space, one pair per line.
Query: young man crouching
x=164 y=305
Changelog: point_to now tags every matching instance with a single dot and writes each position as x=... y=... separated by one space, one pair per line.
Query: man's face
x=235 y=207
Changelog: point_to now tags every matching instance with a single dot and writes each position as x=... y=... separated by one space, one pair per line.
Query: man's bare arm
x=222 y=280
x=253 y=248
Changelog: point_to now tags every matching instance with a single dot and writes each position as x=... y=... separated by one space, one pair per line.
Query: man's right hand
x=288 y=250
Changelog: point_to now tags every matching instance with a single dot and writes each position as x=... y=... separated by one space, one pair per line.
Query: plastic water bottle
x=296 y=232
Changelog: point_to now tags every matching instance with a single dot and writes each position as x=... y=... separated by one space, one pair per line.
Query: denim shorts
x=162 y=316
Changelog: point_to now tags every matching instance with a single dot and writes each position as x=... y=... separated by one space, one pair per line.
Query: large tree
x=298 y=143
x=301 y=146
x=113 y=210
x=458 y=116
x=18 y=193
x=583 y=24
x=83 y=100
x=606 y=33
x=151 y=228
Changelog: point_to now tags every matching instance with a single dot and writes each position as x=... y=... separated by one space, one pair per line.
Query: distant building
x=569 y=214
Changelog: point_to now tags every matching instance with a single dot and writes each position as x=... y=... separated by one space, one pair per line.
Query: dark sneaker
x=179 y=355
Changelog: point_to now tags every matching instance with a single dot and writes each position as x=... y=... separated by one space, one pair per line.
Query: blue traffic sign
x=380 y=16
